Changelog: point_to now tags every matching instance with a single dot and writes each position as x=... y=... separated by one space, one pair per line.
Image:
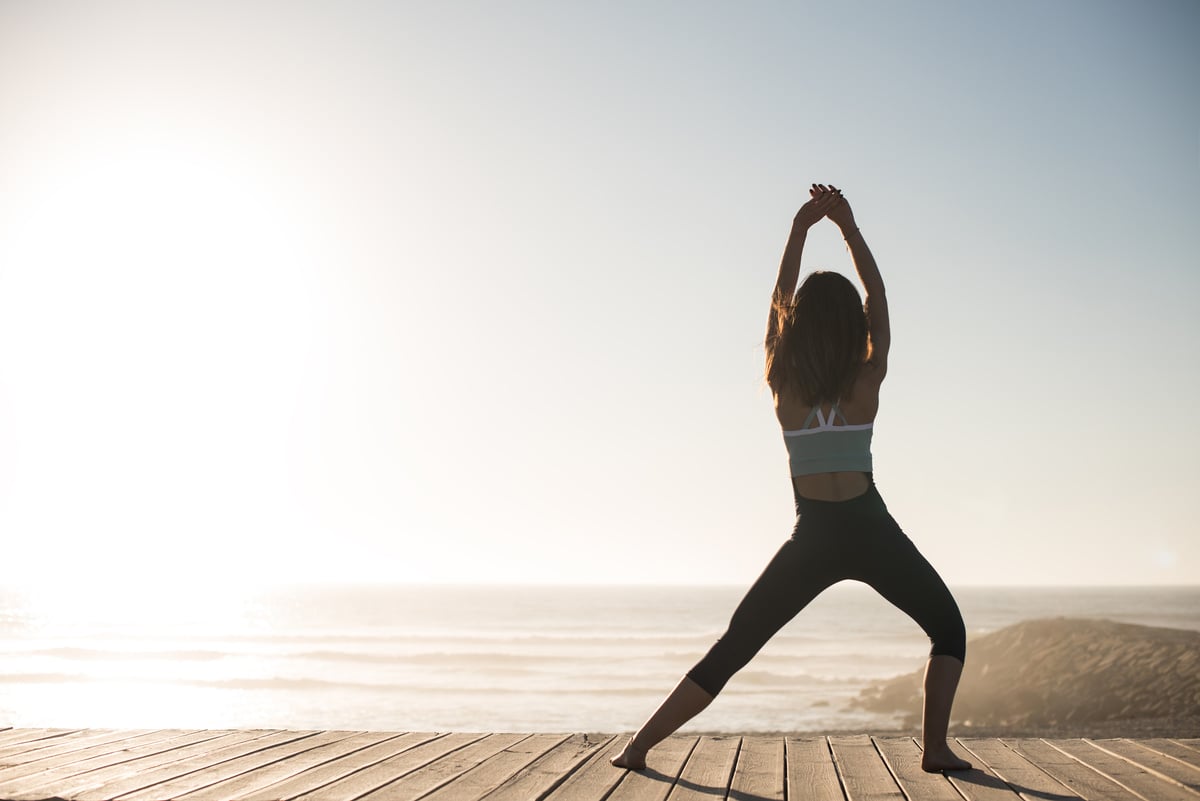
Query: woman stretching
x=826 y=358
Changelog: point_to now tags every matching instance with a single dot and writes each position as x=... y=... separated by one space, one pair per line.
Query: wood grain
x=272 y=765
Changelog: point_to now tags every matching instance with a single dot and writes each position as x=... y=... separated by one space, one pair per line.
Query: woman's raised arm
x=868 y=272
x=821 y=200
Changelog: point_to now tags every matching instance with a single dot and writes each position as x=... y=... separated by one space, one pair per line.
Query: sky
x=475 y=292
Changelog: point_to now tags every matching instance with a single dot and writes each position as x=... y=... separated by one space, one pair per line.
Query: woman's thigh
x=798 y=573
x=898 y=571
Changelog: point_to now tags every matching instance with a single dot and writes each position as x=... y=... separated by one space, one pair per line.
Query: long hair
x=820 y=340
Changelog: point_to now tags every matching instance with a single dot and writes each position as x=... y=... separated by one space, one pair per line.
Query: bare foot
x=936 y=760
x=630 y=758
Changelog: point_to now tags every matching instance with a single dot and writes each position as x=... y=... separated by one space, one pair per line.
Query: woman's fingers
x=824 y=196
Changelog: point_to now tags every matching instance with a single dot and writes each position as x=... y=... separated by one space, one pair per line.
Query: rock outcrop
x=1063 y=672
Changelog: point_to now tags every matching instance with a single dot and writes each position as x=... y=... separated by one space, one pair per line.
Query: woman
x=826 y=358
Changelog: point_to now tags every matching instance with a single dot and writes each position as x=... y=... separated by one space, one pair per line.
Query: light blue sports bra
x=828 y=447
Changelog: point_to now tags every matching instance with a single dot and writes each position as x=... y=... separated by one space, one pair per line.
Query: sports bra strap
x=822 y=420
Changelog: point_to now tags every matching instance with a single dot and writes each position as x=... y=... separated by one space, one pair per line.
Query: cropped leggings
x=835 y=540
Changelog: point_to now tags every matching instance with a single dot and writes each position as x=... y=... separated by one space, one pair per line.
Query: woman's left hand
x=821 y=200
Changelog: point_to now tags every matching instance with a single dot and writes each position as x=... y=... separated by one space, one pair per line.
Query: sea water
x=457 y=658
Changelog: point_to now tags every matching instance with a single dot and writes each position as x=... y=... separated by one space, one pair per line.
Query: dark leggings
x=835 y=540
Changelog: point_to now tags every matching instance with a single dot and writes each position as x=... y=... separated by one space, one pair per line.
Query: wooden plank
x=663 y=766
x=488 y=775
x=595 y=779
x=24 y=753
x=758 y=775
x=862 y=770
x=1192 y=744
x=90 y=765
x=68 y=776
x=424 y=780
x=1164 y=766
x=17 y=736
x=810 y=771
x=902 y=756
x=7 y=752
x=709 y=770
x=980 y=784
x=314 y=778
x=267 y=775
x=190 y=753
x=178 y=779
x=1119 y=770
x=550 y=769
x=385 y=771
x=1082 y=780
x=1026 y=778
x=1188 y=756
x=63 y=755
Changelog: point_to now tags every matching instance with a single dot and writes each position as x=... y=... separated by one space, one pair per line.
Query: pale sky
x=475 y=292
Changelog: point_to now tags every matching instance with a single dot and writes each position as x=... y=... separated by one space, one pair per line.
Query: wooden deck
x=94 y=764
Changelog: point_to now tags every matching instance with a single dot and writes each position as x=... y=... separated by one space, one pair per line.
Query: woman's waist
x=837 y=494
x=833 y=487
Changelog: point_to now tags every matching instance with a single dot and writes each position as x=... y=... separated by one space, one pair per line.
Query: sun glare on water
x=140 y=655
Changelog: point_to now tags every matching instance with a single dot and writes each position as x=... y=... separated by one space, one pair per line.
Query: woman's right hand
x=822 y=199
x=840 y=211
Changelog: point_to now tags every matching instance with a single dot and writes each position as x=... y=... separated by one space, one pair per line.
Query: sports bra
x=828 y=448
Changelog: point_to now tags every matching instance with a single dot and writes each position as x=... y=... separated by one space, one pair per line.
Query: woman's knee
x=725 y=658
x=950 y=638
x=748 y=632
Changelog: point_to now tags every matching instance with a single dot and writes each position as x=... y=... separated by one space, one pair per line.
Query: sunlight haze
x=471 y=293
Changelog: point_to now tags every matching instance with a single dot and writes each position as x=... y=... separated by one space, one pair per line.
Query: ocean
x=458 y=658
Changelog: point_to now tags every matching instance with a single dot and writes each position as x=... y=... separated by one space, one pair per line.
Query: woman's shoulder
x=863 y=402
x=859 y=407
x=871 y=374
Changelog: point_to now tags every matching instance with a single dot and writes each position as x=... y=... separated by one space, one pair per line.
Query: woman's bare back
x=860 y=408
